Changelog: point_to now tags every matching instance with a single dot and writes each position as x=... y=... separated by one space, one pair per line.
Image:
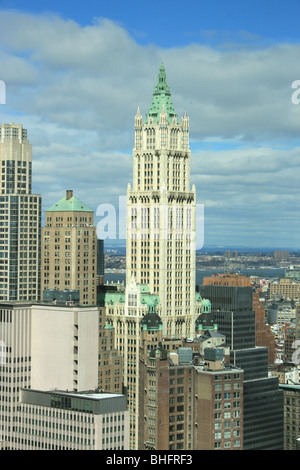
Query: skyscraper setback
x=160 y=251
x=20 y=230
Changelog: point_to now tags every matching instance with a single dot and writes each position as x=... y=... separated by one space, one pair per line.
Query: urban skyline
x=77 y=81
x=173 y=348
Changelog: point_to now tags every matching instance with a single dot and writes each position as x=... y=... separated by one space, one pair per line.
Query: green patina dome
x=151 y=321
x=69 y=204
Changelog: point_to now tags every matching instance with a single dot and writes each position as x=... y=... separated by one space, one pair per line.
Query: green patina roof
x=144 y=289
x=73 y=204
x=110 y=298
x=150 y=299
x=161 y=98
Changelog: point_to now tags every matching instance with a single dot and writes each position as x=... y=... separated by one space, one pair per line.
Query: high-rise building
x=219 y=404
x=161 y=239
x=232 y=309
x=187 y=403
x=263 y=334
x=69 y=249
x=291 y=415
x=161 y=212
x=20 y=230
x=44 y=347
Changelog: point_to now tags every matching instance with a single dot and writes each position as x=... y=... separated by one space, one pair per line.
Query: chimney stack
x=69 y=194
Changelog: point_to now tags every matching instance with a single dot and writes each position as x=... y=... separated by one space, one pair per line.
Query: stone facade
x=69 y=249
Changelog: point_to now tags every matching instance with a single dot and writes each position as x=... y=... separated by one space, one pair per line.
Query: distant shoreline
x=261 y=272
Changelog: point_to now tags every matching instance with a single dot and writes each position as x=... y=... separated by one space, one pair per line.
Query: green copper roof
x=144 y=289
x=161 y=99
x=71 y=204
x=110 y=298
x=113 y=297
x=151 y=300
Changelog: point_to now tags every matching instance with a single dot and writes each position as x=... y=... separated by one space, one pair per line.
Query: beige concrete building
x=66 y=340
x=56 y=420
x=20 y=229
x=44 y=347
x=287 y=288
x=69 y=249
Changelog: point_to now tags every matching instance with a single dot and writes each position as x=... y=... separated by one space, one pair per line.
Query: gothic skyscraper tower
x=161 y=212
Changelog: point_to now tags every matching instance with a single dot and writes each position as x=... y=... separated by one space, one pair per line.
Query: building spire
x=161 y=99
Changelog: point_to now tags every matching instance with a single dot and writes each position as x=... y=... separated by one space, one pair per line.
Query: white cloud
x=76 y=89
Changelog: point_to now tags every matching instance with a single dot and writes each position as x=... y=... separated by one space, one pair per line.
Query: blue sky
x=75 y=76
x=175 y=23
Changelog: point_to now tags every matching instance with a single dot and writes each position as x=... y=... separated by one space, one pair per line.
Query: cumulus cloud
x=77 y=88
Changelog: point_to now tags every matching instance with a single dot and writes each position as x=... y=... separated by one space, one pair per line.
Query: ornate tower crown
x=161 y=99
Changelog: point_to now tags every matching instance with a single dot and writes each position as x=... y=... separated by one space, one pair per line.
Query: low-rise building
x=286 y=288
x=58 y=420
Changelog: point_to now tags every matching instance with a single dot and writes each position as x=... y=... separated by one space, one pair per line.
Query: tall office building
x=161 y=211
x=232 y=309
x=69 y=249
x=20 y=228
x=263 y=334
x=161 y=238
